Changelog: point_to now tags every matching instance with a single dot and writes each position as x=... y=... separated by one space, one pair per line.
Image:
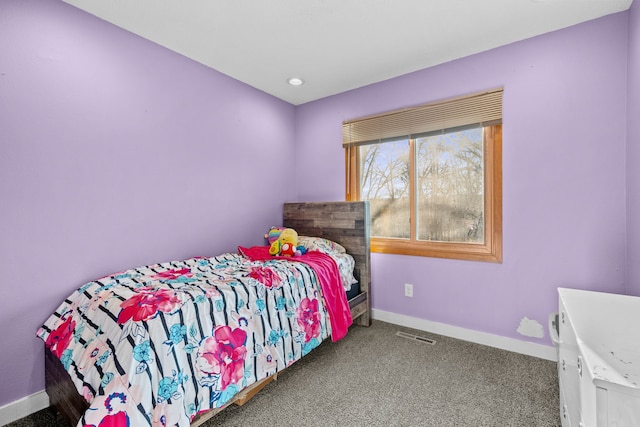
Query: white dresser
x=598 y=359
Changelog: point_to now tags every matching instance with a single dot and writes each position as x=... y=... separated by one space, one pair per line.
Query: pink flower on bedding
x=119 y=419
x=146 y=303
x=59 y=339
x=309 y=318
x=87 y=394
x=173 y=274
x=113 y=418
x=266 y=276
x=222 y=356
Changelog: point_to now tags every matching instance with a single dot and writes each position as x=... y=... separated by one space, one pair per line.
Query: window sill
x=461 y=251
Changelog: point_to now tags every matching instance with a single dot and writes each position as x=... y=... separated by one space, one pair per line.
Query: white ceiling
x=337 y=45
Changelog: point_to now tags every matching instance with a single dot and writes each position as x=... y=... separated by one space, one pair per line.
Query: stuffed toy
x=273 y=234
x=285 y=243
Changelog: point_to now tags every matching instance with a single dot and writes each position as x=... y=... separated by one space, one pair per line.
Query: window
x=433 y=177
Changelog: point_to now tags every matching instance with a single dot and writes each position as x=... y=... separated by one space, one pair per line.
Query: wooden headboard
x=346 y=223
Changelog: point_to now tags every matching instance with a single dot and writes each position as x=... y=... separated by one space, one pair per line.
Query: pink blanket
x=329 y=276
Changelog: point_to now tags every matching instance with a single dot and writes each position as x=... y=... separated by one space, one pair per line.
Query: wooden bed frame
x=346 y=223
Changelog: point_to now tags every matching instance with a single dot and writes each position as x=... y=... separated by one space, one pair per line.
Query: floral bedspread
x=159 y=344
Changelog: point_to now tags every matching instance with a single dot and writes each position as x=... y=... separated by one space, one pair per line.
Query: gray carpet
x=375 y=378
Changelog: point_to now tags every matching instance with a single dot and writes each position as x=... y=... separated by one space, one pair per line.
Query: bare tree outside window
x=384 y=182
x=450 y=184
x=450 y=188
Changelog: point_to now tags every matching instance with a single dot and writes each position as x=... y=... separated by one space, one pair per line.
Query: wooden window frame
x=489 y=251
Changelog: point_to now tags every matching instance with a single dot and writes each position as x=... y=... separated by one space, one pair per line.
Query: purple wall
x=115 y=152
x=633 y=152
x=563 y=167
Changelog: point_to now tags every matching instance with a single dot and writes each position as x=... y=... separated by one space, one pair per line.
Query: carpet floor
x=374 y=377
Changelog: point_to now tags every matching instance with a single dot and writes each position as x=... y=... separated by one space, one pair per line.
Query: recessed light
x=295 y=81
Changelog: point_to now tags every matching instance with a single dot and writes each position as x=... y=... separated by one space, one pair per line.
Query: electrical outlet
x=408 y=290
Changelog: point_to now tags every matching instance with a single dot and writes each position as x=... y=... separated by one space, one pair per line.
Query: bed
x=228 y=325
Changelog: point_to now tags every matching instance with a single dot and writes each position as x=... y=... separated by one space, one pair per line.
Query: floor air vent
x=415 y=337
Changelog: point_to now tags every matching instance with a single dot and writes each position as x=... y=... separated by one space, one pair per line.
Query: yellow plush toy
x=286 y=244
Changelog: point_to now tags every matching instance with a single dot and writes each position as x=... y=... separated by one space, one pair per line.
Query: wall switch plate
x=408 y=290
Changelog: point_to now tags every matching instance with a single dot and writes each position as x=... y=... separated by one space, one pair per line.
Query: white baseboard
x=491 y=340
x=23 y=407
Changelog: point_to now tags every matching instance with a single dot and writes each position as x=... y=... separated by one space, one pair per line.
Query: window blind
x=480 y=109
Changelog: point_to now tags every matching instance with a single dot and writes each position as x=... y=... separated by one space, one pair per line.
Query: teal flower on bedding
x=77 y=334
x=167 y=388
x=106 y=379
x=141 y=352
x=192 y=409
x=309 y=345
x=248 y=372
x=183 y=279
x=190 y=347
x=281 y=303
x=66 y=359
x=182 y=378
x=177 y=333
x=261 y=305
x=105 y=287
x=275 y=336
x=102 y=359
x=227 y=394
